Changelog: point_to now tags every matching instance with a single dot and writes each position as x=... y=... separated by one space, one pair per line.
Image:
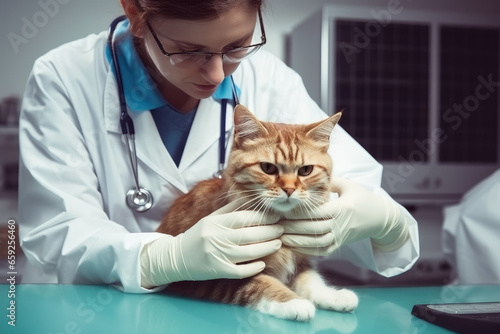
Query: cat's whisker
x=336 y=227
x=310 y=206
x=250 y=205
x=237 y=194
x=256 y=207
x=246 y=205
x=222 y=197
x=239 y=191
x=267 y=204
x=261 y=203
x=231 y=193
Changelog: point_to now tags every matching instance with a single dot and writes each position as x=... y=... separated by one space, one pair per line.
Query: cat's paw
x=294 y=309
x=337 y=300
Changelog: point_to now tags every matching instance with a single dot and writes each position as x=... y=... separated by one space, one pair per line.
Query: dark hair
x=189 y=9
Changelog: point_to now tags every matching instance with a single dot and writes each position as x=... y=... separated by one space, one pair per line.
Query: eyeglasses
x=194 y=59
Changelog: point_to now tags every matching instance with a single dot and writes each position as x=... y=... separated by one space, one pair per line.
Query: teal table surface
x=99 y=309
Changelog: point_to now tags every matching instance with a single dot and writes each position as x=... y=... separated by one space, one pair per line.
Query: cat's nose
x=288 y=191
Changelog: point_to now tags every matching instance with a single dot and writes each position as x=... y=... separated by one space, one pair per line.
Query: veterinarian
x=115 y=126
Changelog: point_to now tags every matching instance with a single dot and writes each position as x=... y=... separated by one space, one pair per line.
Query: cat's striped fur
x=295 y=176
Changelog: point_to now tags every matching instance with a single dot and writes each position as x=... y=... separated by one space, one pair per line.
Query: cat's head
x=279 y=167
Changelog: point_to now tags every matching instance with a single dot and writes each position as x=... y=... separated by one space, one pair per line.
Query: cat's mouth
x=285 y=204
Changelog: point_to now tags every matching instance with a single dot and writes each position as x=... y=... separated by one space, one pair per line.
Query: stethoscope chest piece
x=139 y=200
x=218 y=174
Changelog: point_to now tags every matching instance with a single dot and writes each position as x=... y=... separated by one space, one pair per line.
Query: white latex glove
x=357 y=214
x=215 y=247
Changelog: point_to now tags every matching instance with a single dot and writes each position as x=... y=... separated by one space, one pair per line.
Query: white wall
x=72 y=19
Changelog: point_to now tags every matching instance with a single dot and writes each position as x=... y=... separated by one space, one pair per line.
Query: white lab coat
x=471 y=233
x=75 y=172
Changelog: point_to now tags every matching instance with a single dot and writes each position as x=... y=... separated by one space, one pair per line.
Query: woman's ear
x=134 y=16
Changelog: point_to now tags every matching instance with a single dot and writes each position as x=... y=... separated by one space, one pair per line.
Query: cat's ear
x=246 y=125
x=321 y=131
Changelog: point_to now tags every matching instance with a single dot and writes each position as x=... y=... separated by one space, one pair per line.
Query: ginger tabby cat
x=277 y=168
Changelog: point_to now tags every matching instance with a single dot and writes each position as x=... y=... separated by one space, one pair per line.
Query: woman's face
x=232 y=29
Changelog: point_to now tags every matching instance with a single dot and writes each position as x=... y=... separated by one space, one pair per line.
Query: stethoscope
x=138 y=198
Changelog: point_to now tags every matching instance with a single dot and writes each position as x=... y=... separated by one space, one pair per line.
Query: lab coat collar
x=141 y=93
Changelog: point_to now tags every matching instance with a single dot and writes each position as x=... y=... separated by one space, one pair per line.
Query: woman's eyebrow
x=241 y=40
x=188 y=44
x=199 y=46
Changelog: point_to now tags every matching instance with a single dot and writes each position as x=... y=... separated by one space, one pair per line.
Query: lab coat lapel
x=149 y=146
x=111 y=107
x=152 y=151
x=205 y=131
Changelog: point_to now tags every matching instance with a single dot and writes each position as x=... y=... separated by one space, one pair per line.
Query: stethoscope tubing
x=138 y=199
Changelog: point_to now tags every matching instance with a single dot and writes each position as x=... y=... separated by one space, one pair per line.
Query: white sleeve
x=388 y=264
x=471 y=231
x=278 y=94
x=63 y=226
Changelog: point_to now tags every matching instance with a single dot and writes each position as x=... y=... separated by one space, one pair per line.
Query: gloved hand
x=213 y=248
x=357 y=214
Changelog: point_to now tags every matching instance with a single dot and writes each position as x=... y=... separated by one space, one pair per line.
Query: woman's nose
x=213 y=70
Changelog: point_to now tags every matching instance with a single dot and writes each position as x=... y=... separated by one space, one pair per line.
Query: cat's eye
x=269 y=168
x=306 y=170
